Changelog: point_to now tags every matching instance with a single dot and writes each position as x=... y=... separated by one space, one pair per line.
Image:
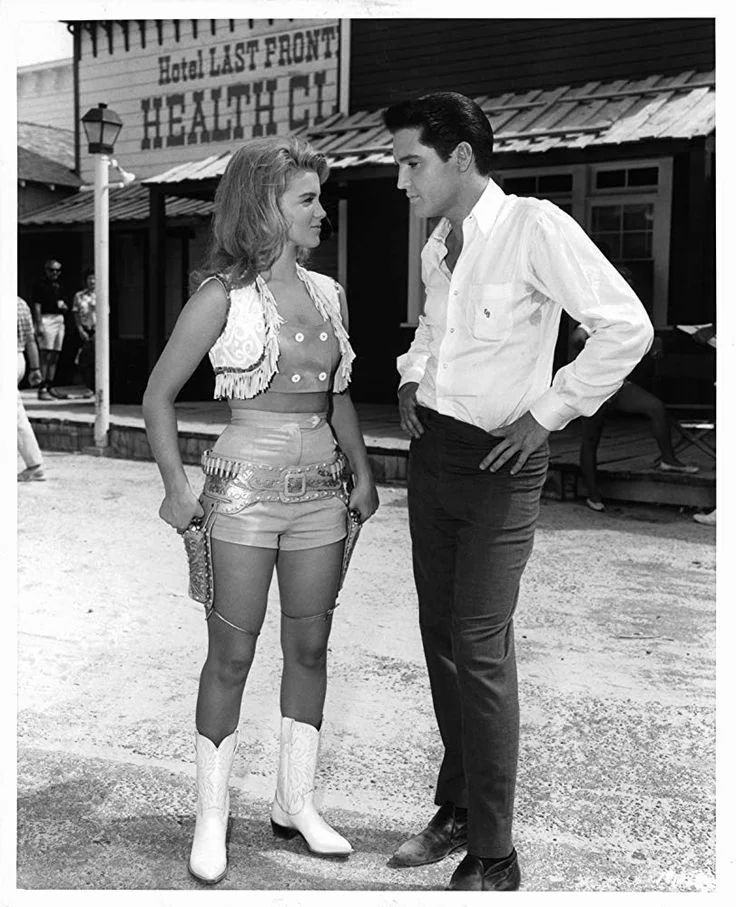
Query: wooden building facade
x=185 y=89
x=645 y=191
x=611 y=119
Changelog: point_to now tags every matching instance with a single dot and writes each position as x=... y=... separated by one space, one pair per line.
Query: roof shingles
x=34 y=168
x=128 y=204
x=596 y=113
x=48 y=141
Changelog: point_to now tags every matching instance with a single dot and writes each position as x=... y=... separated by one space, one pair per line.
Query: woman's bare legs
x=308 y=585
x=242 y=579
x=308 y=588
x=634 y=399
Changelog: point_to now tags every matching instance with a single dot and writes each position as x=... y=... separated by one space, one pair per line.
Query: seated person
x=629 y=399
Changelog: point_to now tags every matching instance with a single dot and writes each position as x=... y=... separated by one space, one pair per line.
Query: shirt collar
x=484 y=212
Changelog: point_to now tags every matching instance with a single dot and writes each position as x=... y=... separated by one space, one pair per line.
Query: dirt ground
x=615 y=642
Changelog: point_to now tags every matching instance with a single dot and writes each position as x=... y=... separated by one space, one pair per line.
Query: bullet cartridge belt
x=236 y=484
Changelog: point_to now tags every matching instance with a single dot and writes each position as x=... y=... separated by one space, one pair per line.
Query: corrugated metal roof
x=594 y=114
x=35 y=168
x=129 y=204
x=212 y=166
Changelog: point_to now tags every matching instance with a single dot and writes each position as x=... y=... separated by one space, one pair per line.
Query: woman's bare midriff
x=272 y=401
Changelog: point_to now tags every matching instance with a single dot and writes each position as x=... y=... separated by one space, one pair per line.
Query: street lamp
x=102 y=126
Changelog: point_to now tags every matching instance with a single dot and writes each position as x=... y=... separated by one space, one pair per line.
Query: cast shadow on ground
x=64 y=843
x=659 y=521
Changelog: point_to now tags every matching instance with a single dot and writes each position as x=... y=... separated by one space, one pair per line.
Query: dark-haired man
x=475 y=396
x=48 y=304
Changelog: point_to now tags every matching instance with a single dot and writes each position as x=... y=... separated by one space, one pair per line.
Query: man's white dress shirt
x=484 y=347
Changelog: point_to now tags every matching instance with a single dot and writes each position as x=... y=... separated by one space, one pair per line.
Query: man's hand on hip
x=521 y=437
x=408 y=409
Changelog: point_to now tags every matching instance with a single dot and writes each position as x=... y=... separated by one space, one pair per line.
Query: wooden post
x=156 y=300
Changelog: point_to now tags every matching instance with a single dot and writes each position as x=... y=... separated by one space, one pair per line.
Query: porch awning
x=35 y=168
x=128 y=204
x=531 y=122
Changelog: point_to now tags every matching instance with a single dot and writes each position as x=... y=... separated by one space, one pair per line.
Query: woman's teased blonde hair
x=249 y=230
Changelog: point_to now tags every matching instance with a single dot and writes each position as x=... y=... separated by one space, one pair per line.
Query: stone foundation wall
x=126 y=442
x=390 y=467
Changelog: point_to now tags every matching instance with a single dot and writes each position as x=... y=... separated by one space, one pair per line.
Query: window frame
x=576 y=196
x=660 y=196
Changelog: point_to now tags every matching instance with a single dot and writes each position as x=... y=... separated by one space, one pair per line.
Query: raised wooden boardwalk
x=627 y=454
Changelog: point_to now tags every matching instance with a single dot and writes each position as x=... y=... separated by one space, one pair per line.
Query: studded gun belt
x=235 y=484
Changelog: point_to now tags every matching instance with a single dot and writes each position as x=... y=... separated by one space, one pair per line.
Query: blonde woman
x=276 y=335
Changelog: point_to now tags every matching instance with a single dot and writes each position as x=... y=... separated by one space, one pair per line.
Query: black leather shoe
x=502 y=876
x=446 y=832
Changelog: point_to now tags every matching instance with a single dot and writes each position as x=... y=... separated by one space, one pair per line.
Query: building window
x=560 y=185
x=627 y=178
x=624 y=232
x=628 y=216
x=540 y=185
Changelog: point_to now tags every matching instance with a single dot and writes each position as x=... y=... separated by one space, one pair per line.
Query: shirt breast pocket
x=490 y=310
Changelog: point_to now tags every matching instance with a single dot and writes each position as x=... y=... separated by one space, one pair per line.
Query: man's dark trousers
x=472 y=533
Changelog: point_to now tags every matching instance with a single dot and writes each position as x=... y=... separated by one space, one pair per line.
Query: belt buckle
x=292 y=478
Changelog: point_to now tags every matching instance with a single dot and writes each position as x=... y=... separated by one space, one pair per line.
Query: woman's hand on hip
x=178 y=510
x=364 y=499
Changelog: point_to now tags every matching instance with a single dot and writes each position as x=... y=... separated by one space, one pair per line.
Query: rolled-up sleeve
x=568 y=268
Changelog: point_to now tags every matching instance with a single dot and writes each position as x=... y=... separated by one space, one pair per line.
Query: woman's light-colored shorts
x=52 y=332
x=280 y=439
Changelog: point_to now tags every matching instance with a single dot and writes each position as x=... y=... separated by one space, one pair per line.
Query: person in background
x=706 y=335
x=632 y=400
x=48 y=305
x=85 y=319
x=277 y=339
x=476 y=399
x=28 y=350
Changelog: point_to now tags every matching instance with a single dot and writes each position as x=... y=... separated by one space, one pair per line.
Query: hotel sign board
x=208 y=85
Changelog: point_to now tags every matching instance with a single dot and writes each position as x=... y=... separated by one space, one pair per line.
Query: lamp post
x=102 y=127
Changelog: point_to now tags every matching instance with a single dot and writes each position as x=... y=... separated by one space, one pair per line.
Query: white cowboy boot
x=293 y=811
x=208 y=860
